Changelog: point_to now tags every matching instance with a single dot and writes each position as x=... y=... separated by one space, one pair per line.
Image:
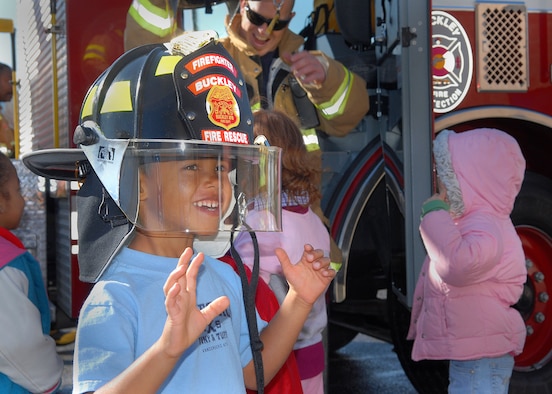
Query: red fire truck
x=450 y=64
x=485 y=64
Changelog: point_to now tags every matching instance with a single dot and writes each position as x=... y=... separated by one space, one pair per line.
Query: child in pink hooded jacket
x=475 y=270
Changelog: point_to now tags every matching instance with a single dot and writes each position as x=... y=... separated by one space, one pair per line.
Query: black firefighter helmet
x=160 y=102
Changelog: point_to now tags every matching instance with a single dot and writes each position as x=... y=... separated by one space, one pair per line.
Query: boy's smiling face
x=185 y=195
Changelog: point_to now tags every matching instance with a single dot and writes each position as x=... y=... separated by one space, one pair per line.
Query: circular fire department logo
x=452 y=62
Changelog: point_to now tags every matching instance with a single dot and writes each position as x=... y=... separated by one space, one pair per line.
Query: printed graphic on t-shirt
x=215 y=335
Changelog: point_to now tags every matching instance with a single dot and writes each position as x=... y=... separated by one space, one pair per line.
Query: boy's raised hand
x=311 y=276
x=185 y=321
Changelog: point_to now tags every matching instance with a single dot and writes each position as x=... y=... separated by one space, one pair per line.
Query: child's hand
x=185 y=322
x=311 y=276
x=441 y=193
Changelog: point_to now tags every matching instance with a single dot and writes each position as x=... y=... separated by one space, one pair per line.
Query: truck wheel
x=532 y=217
x=339 y=336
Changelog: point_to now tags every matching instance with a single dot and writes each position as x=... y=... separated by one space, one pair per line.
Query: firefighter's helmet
x=159 y=104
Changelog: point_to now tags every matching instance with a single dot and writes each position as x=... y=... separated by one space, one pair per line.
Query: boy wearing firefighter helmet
x=167 y=130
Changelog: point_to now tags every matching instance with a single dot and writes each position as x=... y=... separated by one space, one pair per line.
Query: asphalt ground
x=365 y=366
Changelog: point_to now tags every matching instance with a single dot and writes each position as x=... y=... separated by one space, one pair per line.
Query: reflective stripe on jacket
x=157 y=20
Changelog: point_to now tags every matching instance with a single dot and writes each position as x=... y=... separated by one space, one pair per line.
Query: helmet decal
x=222 y=107
x=204 y=84
x=105 y=155
x=88 y=105
x=117 y=98
x=211 y=85
x=208 y=60
x=166 y=65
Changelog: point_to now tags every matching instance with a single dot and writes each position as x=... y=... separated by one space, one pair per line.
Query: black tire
x=339 y=336
x=533 y=211
x=533 y=208
x=426 y=376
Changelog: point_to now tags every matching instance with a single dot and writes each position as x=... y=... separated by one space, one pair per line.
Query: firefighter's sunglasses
x=258 y=19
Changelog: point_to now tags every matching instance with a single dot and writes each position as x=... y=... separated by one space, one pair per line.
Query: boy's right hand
x=185 y=321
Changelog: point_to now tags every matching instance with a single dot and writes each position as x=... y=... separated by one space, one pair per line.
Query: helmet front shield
x=190 y=186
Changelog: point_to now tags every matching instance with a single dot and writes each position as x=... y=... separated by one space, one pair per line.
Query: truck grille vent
x=502 y=63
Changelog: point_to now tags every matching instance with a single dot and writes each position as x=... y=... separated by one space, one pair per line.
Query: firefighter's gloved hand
x=309 y=69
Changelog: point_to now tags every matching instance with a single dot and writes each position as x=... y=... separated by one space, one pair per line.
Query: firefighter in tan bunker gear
x=318 y=92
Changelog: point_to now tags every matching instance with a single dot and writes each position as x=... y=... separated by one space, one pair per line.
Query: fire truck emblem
x=452 y=62
x=222 y=107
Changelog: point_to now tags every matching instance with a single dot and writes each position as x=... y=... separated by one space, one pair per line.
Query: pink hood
x=490 y=178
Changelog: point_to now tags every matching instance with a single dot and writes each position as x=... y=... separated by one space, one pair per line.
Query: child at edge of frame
x=29 y=361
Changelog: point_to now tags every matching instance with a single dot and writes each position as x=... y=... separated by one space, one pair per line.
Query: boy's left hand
x=311 y=276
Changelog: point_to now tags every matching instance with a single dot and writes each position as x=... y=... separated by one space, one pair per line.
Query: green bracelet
x=434 y=205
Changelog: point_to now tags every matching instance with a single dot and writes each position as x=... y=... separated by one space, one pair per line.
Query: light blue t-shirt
x=125 y=314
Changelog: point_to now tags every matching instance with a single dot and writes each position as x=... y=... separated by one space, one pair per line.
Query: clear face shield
x=177 y=186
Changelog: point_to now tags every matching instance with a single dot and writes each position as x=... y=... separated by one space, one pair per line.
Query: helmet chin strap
x=249 y=291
